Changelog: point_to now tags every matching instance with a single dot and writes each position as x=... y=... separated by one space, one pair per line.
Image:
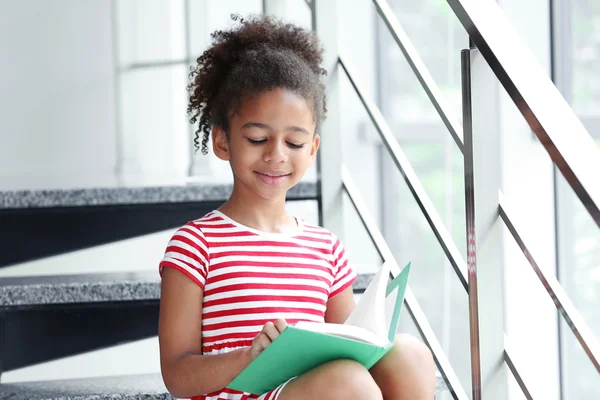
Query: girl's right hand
x=270 y=332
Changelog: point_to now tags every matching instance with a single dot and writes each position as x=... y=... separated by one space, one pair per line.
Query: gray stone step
x=40 y=291
x=84 y=288
x=142 y=387
x=91 y=288
x=131 y=195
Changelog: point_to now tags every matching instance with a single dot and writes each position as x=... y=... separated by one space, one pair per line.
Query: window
x=577 y=74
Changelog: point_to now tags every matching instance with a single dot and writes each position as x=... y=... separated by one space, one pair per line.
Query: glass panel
x=585 y=57
x=579 y=236
x=438 y=37
x=150 y=31
x=580 y=276
x=434 y=282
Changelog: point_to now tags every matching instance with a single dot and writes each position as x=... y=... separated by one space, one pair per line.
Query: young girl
x=233 y=279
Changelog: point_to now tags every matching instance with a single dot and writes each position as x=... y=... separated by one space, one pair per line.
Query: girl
x=233 y=279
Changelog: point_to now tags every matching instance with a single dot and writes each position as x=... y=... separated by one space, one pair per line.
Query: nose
x=275 y=152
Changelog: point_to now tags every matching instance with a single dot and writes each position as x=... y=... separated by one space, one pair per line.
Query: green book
x=366 y=336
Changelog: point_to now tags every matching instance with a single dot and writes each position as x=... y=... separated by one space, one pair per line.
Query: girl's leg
x=407 y=371
x=337 y=380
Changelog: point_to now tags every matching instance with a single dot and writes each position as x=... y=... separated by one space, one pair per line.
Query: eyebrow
x=261 y=125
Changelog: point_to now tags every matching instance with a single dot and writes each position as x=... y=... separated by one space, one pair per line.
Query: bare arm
x=186 y=372
x=340 y=306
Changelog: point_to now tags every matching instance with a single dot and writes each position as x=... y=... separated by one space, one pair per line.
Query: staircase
x=44 y=318
x=48 y=317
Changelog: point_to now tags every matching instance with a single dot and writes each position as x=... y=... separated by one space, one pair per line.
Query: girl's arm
x=340 y=306
x=186 y=372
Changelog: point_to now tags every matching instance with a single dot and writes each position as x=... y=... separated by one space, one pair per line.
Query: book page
x=345 y=331
x=370 y=311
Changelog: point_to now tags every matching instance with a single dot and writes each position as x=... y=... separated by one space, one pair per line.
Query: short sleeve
x=187 y=252
x=344 y=275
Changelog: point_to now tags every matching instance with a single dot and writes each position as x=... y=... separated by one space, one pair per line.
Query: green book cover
x=305 y=346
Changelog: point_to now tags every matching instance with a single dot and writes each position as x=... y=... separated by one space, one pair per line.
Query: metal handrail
x=420 y=70
x=564 y=137
x=555 y=291
x=402 y=163
x=410 y=300
x=421 y=198
x=549 y=116
x=544 y=109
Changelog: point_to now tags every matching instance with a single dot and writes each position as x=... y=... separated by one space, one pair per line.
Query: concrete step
x=35 y=308
x=45 y=318
x=32 y=291
x=43 y=223
x=135 y=387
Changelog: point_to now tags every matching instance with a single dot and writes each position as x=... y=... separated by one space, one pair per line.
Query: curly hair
x=260 y=54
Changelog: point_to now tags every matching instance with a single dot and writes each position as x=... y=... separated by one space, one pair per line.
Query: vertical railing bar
x=470 y=216
x=410 y=300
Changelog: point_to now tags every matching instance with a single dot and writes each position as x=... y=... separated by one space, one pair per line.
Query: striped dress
x=250 y=277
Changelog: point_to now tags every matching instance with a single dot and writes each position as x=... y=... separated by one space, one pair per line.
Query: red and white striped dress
x=250 y=277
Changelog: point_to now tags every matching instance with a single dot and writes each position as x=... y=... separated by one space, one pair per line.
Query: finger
x=261 y=341
x=280 y=324
x=270 y=330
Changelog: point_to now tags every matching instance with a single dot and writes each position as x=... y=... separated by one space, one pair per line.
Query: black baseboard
x=40 y=334
x=30 y=234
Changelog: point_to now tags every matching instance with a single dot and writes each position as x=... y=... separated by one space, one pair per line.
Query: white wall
x=57 y=111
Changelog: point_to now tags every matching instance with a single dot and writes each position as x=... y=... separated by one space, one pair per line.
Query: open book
x=366 y=336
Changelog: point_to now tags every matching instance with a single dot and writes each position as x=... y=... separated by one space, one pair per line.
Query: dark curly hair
x=260 y=54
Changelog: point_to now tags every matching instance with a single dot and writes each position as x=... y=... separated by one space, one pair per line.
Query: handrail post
x=325 y=21
x=482 y=158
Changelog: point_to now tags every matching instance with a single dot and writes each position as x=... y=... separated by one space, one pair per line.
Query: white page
x=370 y=311
x=343 y=330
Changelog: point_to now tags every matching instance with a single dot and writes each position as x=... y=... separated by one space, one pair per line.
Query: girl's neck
x=258 y=213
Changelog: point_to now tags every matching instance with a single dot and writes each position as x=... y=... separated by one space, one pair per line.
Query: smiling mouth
x=272 y=175
x=272 y=179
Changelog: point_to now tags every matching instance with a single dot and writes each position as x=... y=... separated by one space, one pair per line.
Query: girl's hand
x=270 y=332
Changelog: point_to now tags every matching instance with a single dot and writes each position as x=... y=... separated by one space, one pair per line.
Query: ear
x=315 y=147
x=220 y=143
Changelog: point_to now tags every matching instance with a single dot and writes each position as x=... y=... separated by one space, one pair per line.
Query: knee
x=414 y=352
x=350 y=380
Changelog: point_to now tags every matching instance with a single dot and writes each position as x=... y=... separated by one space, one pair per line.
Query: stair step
x=43 y=223
x=132 y=195
x=50 y=317
x=91 y=288
x=142 y=387
x=146 y=387
x=49 y=298
x=85 y=288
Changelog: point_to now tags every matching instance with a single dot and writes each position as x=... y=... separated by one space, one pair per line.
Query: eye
x=261 y=141
x=294 y=145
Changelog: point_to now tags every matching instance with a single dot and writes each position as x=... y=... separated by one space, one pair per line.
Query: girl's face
x=271 y=142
